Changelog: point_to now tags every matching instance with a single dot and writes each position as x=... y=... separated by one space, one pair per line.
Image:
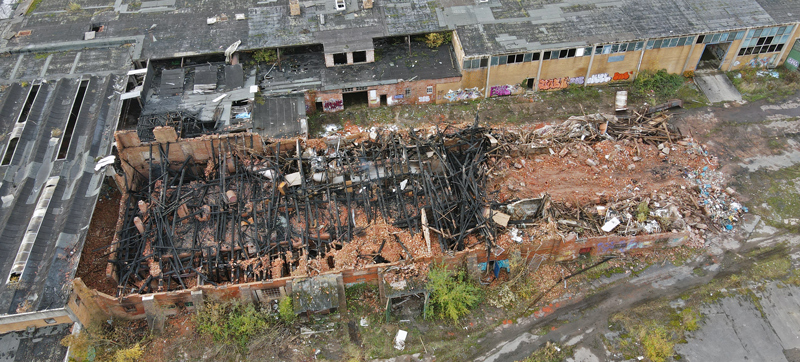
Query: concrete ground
x=765 y=327
x=717 y=87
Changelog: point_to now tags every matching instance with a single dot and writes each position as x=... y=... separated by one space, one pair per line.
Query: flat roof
x=52 y=220
x=169 y=28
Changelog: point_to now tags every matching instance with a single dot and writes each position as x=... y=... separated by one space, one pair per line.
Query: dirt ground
x=94 y=258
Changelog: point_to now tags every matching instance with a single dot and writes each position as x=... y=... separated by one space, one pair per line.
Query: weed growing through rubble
x=231 y=323
x=754 y=84
x=452 y=295
x=118 y=341
x=550 y=352
x=286 y=310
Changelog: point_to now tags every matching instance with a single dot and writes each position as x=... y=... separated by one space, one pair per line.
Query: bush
x=434 y=40
x=131 y=354
x=286 y=310
x=452 y=296
x=265 y=56
x=231 y=323
x=656 y=84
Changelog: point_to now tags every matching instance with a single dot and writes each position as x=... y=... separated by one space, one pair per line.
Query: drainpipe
x=641 y=56
x=488 y=72
x=589 y=69
x=691 y=51
x=539 y=72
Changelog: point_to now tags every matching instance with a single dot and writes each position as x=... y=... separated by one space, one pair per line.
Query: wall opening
x=340 y=59
x=713 y=55
x=66 y=138
x=529 y=83
x=355 y=99
x=360 y=57
x=383 y=100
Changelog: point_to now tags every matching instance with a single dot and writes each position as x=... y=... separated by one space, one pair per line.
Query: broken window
x=340 y=59
x=360 y=57
x=760 y=41
x=515 y=58
x=408 y=92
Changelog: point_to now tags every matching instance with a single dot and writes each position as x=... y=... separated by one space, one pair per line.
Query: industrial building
x=70 y=77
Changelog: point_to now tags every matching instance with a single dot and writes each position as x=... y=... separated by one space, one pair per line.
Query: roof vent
x=24 y=252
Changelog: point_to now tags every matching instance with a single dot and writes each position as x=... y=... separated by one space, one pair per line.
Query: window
x=669 y=43
x=361 y=88
x=408 y=92
x=360 y=57
x=340 y=58
x=515 y=58
x=429 y=90
x=347 y=90
x=565 y=53
x=484 y=62
x=760 y=41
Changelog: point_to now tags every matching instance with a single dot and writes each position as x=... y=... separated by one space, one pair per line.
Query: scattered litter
x=400 y=340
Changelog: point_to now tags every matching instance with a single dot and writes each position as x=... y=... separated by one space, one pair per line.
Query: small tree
x=452 y=296
x=434 y=40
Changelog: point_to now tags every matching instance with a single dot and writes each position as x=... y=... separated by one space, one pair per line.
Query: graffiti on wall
x=463 y=94
x=333 y=105
x=761 y=62
x=793 y=62
x=599 y=78
x=424 y=99
x=560 y=83
x=622 y=76
x=502 y=90
x=556 y=83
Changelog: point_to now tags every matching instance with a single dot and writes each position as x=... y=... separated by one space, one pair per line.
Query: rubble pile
x=352 y=200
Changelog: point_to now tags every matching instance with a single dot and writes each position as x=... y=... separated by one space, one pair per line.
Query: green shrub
x=265 y=56
x=286 y=310
x=131 y=354
x=434 y=40
x=452 y=296
x=656 y=85
x=231 y=323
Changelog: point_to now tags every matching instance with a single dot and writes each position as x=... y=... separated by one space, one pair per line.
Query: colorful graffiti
x=333 y=105
x=599 y=78
x=502 y=90
x=577 y=80
x=760 y=62
x=622 y=76
x=556 y=83
x=793 y=62
x=463 y=94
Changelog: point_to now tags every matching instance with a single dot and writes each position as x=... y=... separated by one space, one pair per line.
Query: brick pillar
x=197 y=300
x=153 y=313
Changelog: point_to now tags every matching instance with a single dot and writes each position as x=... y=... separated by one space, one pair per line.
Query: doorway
x=355 y=99
x=318 y=106
x=383 y=100
x=529 y=83
x=713 y=55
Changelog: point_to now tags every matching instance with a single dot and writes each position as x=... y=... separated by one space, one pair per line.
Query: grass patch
x=775 y=189
x=32 y=7
x=550 y=352
x=755 y=87
x=231 y=323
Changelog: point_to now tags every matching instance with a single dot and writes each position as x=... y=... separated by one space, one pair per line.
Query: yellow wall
x=37 y=323
x=601 y=64
x=560 y=68
x=474 y=78
x=671 y=59
x=513 y=73
x=459 y=50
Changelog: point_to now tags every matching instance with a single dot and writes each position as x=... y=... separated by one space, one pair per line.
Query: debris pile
x=356 y=199
x=335 y=204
